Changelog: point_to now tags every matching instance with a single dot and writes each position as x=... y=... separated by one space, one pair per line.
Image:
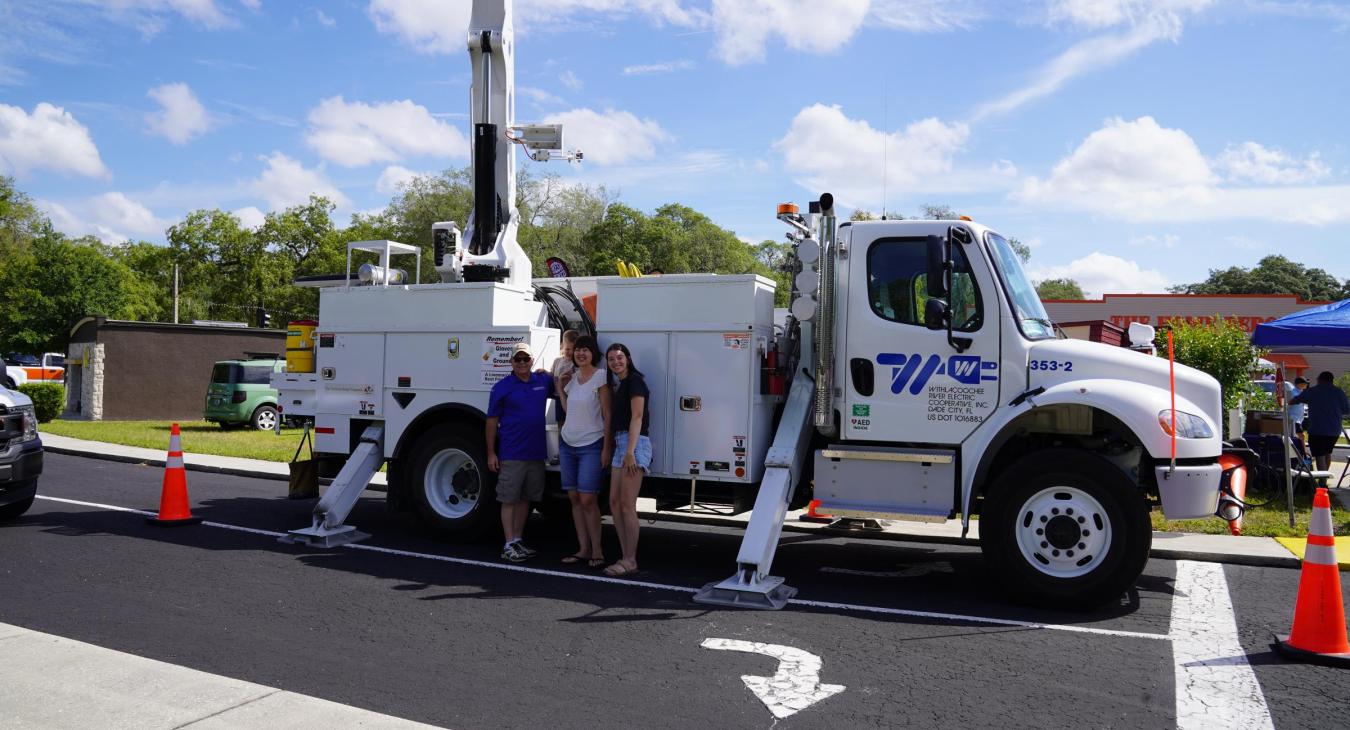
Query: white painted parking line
x=859 y=608
x=796 y=684
x=1216 y=686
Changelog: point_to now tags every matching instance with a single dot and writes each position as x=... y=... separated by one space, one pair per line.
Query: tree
x=1059 y=289
x=862 y=215
x=53 y=282
x=1273 y=274
x=775 y=260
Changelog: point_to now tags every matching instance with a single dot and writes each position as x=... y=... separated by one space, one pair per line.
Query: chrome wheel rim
x=452 y=483
x=266 y=421
x=1063 y=532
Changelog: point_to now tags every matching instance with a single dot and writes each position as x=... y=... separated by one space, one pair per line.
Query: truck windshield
x=1027 y=309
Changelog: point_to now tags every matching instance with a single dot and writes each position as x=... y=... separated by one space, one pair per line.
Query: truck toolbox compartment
x=870 y=481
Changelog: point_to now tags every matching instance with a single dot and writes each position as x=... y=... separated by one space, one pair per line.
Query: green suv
x=240 y=392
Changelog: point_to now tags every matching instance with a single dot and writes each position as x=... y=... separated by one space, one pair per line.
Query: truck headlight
x=30 y=423
x=1189 y=425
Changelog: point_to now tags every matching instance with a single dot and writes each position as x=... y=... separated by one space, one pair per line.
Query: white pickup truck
x=20 y=454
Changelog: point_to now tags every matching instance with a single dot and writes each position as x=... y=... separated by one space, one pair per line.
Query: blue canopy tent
x=1320 y=329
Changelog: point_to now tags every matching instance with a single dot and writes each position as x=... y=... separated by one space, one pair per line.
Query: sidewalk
x=1260 y=551
x=49 y=681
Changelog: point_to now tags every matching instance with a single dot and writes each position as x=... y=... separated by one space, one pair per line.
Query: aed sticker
x=861 y=419
x=736 y=340
x=452 y=348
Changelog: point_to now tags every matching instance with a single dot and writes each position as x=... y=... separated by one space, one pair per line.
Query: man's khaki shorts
x=520 y=481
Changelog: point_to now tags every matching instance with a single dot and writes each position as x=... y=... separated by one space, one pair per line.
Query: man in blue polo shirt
x=516 y=414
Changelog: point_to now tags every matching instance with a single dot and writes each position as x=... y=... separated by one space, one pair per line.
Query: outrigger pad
x=772 y=595
x=321 y=538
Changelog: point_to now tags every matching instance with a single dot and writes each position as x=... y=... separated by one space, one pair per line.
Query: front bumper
x=20 y=466
x=1189 y=492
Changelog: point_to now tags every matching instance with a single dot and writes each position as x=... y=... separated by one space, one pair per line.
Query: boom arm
x=491 y=230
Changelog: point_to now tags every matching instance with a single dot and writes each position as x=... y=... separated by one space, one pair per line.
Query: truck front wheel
x=451 y=485
x=1065 y=529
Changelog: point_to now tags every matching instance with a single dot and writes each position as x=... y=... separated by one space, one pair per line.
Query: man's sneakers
x=516 y=552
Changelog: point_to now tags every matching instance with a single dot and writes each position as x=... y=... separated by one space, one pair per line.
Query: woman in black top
x=629 y=419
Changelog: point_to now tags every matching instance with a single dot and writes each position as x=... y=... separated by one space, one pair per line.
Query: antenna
x=885 y=141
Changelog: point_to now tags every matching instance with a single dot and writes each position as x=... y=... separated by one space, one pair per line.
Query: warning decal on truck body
x=497 y=356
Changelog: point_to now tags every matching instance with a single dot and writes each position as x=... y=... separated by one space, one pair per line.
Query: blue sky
x=1133 y=143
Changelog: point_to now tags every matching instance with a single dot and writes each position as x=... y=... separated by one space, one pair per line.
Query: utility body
x=914 y=376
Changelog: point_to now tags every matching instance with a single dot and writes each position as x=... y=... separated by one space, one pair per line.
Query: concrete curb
x=1165 y=553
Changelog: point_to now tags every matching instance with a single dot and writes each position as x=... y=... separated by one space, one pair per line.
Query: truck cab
x=20 y=454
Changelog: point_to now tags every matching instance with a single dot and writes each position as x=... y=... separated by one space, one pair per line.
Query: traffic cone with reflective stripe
x=173 y=497
x=812 y=515
x=1319 y=616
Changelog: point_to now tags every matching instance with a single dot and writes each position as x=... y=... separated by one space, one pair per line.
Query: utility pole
x=175 y=293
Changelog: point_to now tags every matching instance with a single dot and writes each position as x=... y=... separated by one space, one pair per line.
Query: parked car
x=14 y=376
x=20 y=454
x=240 y=393
x=50 y=368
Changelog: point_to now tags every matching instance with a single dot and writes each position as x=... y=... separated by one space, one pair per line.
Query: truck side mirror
x=936 y=314
x=939 y=253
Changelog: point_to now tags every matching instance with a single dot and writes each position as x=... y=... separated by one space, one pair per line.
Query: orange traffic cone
x=812 y=515
x=173 y=498
x=1319 y=616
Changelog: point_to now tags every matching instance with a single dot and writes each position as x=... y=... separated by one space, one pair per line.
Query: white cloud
x=926 y=16
x=1099 y=273
x=1167 y=240
x=570 y=80
x=538 y=95
x=439 y=26
x=611 y=137
x=430 y=26
x=1140 y=171
x=657 y=68
x=180 y=117
x=355 y=134
x=286 y=182
x=1144 y=22
x=825 y=150
x=50 y=138
x=1128 y=168
x=112 y=217
x=394 y=178
x=745 y=27
x=324 y=19
x=250 y=217
x=1252 y=162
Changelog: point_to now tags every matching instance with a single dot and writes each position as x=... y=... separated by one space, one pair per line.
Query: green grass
x=1269 y=521
x=199 y=437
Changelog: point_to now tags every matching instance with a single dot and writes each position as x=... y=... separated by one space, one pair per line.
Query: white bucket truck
x=916 y=377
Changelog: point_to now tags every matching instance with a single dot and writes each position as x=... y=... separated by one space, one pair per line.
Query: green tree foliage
x=1273 y=274
x=1220 y=348
x=1059 y=289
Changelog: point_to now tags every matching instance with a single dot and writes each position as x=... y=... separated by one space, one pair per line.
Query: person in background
x=654 y=272
x=562 y=369
x=629 y=421
x=1327 y=405
x=516 y=409
x=1298 y=411
x=585 y=448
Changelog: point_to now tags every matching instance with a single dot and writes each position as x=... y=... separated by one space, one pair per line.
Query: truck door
x=903 y=381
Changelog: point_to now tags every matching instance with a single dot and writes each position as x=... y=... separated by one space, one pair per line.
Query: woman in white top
x=585 y=447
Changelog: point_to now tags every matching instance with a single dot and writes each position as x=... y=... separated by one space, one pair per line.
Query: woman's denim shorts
x=642 y=451
x=580 y=466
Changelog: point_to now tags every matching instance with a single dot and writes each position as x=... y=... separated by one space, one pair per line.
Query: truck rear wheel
x=1065 y=529
x=451 y=485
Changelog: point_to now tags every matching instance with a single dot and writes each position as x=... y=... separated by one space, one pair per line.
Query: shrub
x=49 y=399
x=1220 y=348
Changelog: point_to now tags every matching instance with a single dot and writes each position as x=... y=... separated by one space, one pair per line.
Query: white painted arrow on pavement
x=794 y=687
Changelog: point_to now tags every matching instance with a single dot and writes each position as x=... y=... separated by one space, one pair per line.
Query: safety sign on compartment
x=736 y=340
x=497 y=356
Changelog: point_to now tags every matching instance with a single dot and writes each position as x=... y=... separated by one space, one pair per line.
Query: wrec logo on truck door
x=916 y=371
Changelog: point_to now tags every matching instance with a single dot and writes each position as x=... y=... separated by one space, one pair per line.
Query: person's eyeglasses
x=521 y=358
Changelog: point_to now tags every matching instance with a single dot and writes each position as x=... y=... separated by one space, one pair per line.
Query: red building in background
x=1247 y=310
